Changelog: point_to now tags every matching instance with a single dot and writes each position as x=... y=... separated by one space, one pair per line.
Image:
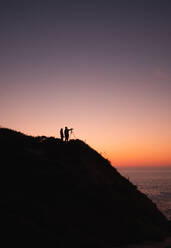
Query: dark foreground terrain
x=67 y=195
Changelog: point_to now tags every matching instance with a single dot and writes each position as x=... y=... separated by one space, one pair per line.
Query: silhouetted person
x=67 y=133
x=62 y=134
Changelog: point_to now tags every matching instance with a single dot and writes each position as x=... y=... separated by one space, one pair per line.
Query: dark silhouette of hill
x=63 y=195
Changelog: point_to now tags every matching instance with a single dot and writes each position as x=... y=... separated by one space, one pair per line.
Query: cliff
x=62 y=195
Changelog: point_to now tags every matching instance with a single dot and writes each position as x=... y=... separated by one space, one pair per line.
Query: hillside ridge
x=64 y=194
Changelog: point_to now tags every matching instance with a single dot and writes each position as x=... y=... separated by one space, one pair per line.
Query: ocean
x=155 y=182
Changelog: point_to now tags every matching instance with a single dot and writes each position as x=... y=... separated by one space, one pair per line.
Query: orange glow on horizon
x=107 y=76
x=123 y=152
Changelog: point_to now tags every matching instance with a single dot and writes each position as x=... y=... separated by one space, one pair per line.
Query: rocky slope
x=62 y=195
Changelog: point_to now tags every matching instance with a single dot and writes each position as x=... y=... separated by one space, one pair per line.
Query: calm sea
x=154 y=182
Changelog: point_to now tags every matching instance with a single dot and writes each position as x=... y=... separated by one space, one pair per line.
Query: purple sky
x=94 y=65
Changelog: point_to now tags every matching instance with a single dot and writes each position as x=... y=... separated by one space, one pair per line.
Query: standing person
x=67 y=133
x=62 y=134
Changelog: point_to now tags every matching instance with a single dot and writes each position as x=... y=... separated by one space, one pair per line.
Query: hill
x=66 y=194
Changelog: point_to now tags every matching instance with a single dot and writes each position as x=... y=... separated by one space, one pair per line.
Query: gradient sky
x=101 y=67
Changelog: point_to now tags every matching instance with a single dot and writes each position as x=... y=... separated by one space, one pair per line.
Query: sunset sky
x=102 y=67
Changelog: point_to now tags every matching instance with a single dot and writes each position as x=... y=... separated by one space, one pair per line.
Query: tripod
x=72 y=133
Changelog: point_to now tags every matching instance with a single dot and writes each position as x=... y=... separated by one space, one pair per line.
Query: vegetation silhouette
x=62 y=195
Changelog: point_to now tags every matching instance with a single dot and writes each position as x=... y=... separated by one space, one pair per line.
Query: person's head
x=66 y=128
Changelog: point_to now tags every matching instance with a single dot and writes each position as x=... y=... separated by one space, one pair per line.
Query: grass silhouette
x=66 y=194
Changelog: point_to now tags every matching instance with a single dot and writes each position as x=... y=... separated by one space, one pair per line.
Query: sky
x=101 y=67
